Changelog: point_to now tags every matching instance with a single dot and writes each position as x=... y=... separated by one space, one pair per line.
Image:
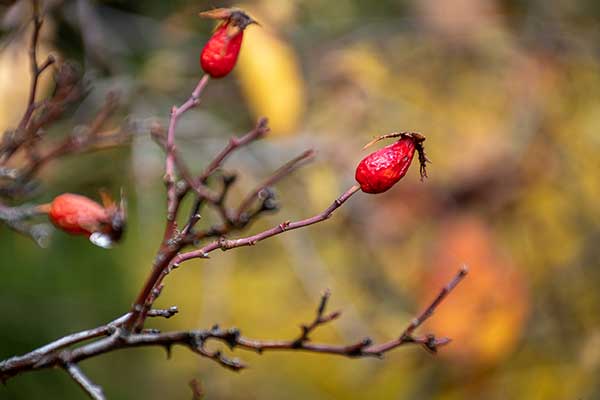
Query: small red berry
x=381 y=169
x=79 y=215
x=220 y=53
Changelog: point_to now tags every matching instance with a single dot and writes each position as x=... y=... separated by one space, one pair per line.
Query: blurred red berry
x=381 y=169
x=220 y=53
x=79 y=215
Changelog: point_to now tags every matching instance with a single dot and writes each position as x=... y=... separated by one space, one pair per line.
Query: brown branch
x=93 y=139
x=36 y=70
x=242 y=218
x=225 y=244
x=173 y=241
x=259 y=131
x=8 y=149
x=48 y=356
x=319 y=320
x=176 y=112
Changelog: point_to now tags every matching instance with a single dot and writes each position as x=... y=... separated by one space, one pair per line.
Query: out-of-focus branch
x=36 y=70
x=197 y=391
x=16 y=218
x=259 y=131
x=89 y=139
x=281 y=173
x=18 y=138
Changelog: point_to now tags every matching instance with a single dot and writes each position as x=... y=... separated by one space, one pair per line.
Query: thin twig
x=36 y=71
x=93 y=390
x=176 y=112
x=259 y=131
x=225 y=244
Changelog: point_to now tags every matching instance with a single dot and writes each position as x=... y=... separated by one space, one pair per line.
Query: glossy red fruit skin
x=77 y=214
x=381 y=169
x=221 y=52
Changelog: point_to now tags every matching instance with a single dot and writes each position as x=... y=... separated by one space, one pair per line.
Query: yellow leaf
x=269 y=72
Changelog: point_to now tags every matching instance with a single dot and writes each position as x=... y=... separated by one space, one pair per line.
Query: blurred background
x=507 y=94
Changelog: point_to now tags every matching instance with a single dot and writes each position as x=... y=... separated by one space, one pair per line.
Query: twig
x=319 y=320
x=16 y=219
x=241 y=218
x=225 y=244
x=36 y=71
x=93 y=390
x=259 y=131
x=176 y=112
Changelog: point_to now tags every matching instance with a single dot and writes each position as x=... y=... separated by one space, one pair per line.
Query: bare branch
x=241 y=218
x=196 y=340
x=176 y=112
x=8 y=149
x=16 y=219
x=259 y=131
x=319 y=320
x=92 y=390
x=225 y=244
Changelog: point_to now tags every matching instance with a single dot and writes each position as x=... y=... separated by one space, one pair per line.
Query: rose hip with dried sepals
x=381 y=169
x=220 y=53
x=79 y=215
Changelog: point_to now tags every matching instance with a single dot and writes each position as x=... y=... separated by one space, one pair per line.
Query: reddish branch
x=225 y=244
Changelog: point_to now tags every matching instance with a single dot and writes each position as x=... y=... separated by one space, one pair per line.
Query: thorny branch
x=116 y=337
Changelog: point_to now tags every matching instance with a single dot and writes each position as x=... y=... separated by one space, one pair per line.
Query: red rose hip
x=381 y=169
x=79 y=215
x=221 y=52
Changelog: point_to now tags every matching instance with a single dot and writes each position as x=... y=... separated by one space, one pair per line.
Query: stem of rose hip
x=176 y=112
